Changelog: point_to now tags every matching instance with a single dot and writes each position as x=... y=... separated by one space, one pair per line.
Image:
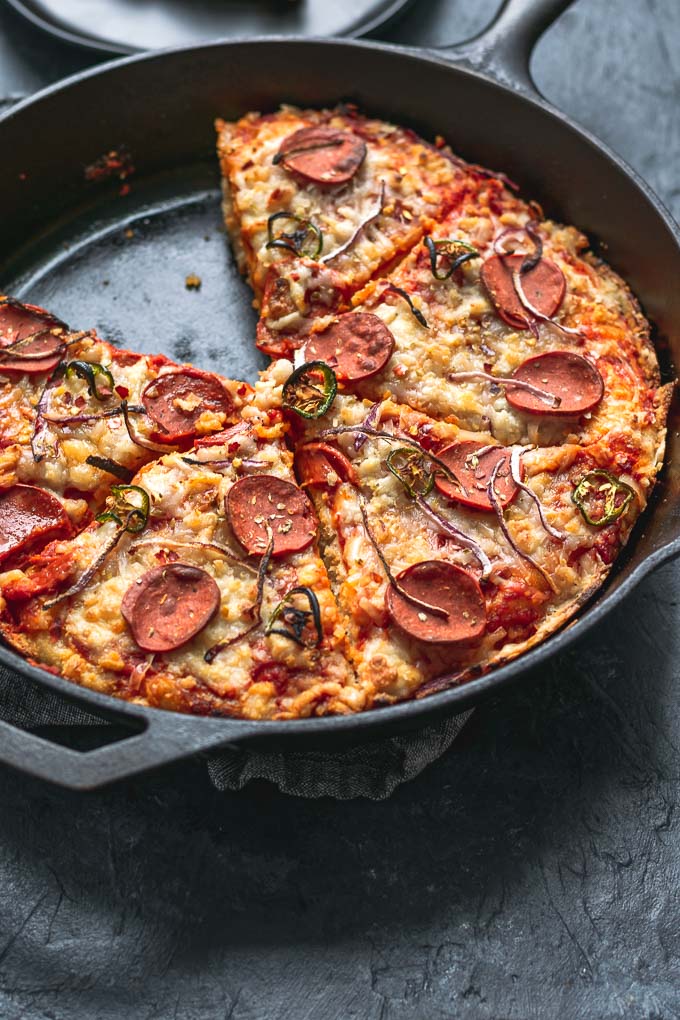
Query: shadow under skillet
x=522 y=868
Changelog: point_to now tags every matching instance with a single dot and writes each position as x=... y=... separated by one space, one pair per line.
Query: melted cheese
x=419 y=181
x=57 y=459
x=187 y=509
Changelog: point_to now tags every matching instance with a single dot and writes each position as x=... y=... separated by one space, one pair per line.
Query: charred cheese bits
x=462 y=422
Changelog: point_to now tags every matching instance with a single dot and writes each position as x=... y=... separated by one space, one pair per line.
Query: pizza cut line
x=461 y=423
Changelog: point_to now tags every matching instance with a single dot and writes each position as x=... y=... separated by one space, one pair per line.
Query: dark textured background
x=531 y=873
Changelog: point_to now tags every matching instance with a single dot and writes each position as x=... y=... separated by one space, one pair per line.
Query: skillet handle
x=503 y=49
x=159 y=738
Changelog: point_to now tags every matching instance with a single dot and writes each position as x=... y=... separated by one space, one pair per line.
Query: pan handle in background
x=503 y=50
x=158 y=738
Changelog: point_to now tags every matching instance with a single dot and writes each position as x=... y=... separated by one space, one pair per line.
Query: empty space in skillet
x=119 y=264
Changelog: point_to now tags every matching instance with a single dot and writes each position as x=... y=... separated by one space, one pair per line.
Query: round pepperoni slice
x=473 y=464
x=323 y=465
x=567 y=376
x=176 y=401
x=544 y=287
x=447 y=587
x=322 y=154
x=169 y=605
x=355 y=346
x=19 y=321
x=29 y=517
x=256 y=500
x=41 y=354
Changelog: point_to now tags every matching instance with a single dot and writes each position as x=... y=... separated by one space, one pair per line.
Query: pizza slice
x=77 y=414
x=451 y=552
x=199 y=588
x=501 y=321
x=317 y=202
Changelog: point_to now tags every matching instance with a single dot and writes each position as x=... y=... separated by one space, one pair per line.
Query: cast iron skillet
x=162 y=107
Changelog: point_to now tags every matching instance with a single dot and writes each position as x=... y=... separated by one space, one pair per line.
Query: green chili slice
x=297 y=621
x=412 y=470
x=302 y=236
x=99 y=380
x=310 y=390
x=111 y=466
x=451 y=251
x=129 y=516
x=415 y=312
x=602 y=497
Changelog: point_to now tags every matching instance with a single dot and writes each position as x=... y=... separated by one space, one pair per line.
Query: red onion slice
x=459 y=536
x=87 y=576
x=526 y=303
x=377 y=210
x=134 y=437
x=370 y=421
x=518 y=234
x=435 y=610
x=178 y=543
x=506 y=381
x=493 y=499
x=256 y=608
x=516 y=474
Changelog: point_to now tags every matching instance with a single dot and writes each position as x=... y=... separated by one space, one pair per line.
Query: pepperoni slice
x=169 y=605
x=563 y=374
x=30 y=516
x=474 y=468
x=544 y=286
x=176 y=401
x=257 y=499
x=323 y=465
x=322 y=154
x=18 y=321
x=443 y=585
x=355 y=346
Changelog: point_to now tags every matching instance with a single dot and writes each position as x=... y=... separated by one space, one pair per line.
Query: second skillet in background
x=130 y=26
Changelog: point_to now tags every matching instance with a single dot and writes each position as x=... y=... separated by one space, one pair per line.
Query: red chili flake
x=167 y=556
x=115 y=163
x=122 y=391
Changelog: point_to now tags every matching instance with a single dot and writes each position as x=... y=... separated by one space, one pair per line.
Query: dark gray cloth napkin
x=372 y=770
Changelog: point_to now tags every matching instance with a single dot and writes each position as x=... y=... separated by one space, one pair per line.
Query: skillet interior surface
x=119 y=262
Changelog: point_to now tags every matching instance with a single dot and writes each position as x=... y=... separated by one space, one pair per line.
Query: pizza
x=462 y=421
x=317 y=202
